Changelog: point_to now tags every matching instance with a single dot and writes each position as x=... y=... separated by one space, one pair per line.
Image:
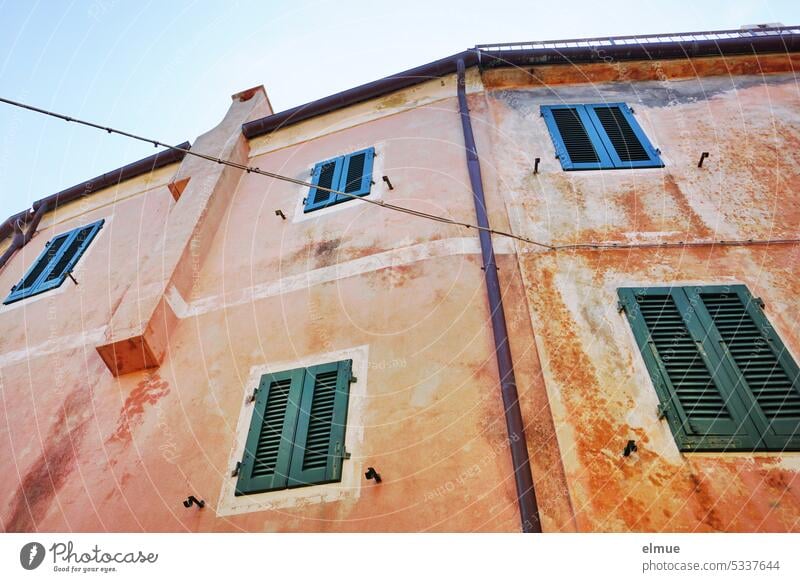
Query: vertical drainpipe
x=526 y=496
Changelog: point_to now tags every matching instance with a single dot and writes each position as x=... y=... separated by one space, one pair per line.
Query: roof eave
x=752 y=45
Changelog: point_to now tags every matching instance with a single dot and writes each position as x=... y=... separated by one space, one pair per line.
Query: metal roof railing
x=644 y=39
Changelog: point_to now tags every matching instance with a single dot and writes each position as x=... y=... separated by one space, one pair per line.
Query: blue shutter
x=577 y=144
x=356 y=177
x=55 y=262
x=622 y=137
x=326 y=174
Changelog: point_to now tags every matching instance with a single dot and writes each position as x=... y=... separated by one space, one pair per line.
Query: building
x=309 y=359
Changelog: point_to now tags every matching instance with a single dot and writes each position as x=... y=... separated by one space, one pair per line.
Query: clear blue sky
x=167 y=69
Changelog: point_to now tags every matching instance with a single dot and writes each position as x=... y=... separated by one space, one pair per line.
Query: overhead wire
x=395 y=207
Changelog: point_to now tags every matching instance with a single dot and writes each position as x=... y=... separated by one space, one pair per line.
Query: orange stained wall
x=746 y=114
x=83 y=450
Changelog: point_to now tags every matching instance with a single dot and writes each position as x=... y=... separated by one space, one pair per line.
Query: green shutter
x=296 y=434
x=763 y=370
x=268 y=449
x=694 y=387
x=319 y=440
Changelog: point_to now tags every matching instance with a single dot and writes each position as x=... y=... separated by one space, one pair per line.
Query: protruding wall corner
x=176 y=187
x=248 y=94
x=127 y=355
x=203 y=190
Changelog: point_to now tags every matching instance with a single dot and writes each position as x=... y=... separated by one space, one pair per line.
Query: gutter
x=747 y=45
x=493 y=56
x=526 y=496
x=14 y=224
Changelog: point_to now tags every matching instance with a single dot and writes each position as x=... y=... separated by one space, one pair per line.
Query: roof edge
x=426 y=72
x=126 y=172
x=682 y=48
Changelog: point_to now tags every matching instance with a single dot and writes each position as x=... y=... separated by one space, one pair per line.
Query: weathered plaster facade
x=125 y=394
x=600 y=393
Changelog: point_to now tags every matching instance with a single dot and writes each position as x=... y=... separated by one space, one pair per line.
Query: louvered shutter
x=761 y=365
x=328 y=175
x=577 y=144
x=55 y=262
x=693 y=386
x=268 y=449
x=319 y=439
x=70 y=253
x=28 y=282
x=356 y=177
x=622 y=137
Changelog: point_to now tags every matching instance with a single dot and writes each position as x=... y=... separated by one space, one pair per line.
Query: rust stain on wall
x=49 y=472
x=147 y=392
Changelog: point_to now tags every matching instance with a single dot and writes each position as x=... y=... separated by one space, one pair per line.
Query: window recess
x=296 y=434
x=55 y=263
x=598 y=137
x=725 y=379
x=351 y=174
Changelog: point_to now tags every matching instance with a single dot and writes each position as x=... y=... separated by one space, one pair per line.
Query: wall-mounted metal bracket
x=252 y=397
x=353 y=379
x=703 y=156
x=236 y=469
x=192 y=500
x=388 y=182
x=536 y=166
x=280 y=213
x=661 y=411
x=373 y=474
x=630 y=448
x=71 y=277
x=620 y=307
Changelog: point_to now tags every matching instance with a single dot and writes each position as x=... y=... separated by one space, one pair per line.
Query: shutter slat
x=756 y=361
x=44 y=260
x=575 y=137
x=621 y=134
x=355 y=171
x=321 y=417
x=687 y=372
x=269 y=441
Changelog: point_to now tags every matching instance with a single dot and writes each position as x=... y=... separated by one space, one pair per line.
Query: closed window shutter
x=319 y=440
x=41 y=265
x=268 y=449
x=762 y=366
x=694 y=388
x=326 y=174
x=598 y=137
x=577 y=144
x=56 y=262
x=76 y=245
x=356 y=178
x=623 y=138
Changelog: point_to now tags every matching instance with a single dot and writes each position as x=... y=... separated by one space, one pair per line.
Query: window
x=55 y=263
x=724 y=378
x=351 y=174
x=296 y=435
x=602 y=136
